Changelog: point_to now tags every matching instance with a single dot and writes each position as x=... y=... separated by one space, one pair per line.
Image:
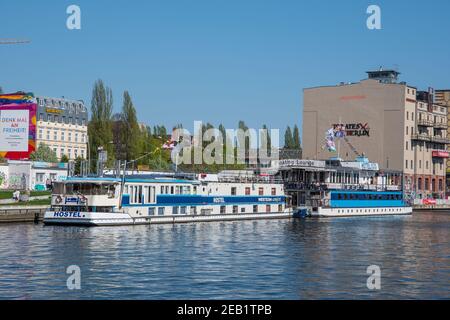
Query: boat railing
x=340 y=186
x=268 y=180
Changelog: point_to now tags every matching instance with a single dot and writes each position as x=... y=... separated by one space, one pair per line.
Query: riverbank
x=10 y=214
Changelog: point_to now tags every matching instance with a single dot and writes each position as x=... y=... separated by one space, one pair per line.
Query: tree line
x=124 y=138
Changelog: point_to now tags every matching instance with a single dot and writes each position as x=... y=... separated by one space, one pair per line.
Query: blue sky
x=218 y=61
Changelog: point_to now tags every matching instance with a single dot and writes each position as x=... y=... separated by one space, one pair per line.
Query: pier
x=9 y=214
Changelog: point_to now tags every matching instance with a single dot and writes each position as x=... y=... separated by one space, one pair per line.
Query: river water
x=272 y=259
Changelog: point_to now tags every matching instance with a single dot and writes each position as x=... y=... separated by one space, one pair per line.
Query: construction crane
x=14 y=41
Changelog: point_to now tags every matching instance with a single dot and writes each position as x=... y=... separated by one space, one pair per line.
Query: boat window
x=161 y=211
x=162 y=190
x=73 y=188
x=183 y=210
x=174 y=210
x=233 y=191
x=140 y=194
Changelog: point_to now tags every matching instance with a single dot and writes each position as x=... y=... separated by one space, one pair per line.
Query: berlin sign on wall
x=352 y=130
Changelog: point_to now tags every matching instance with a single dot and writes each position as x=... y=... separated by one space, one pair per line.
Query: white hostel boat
x=337 y=188
x=149 y=199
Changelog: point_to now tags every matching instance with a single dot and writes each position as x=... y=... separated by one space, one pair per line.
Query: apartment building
x=62 y=125
x=390 y=122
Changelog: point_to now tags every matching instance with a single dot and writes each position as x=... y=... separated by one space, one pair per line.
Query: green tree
x=100 y=126
x=64 y=159
x=77 y=168
x=296 y=138
x=130 y=131
x=44 y=153
x=288 y=139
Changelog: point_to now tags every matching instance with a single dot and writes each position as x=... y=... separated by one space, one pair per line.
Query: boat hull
x=116 y=219
x=358 y=212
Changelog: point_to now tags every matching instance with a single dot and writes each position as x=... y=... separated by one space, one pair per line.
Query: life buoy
x=58 y=199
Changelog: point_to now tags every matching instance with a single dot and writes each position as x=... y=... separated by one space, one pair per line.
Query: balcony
x=439 y=139
x=421 y=137
x=440 y=154
x=440 y=125
x=424 y=123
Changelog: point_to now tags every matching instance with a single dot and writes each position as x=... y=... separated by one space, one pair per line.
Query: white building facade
x=62 y=125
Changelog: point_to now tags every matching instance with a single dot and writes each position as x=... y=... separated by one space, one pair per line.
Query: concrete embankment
x=22 y=213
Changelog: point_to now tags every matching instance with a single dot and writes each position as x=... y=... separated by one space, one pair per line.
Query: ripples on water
x=273 y=259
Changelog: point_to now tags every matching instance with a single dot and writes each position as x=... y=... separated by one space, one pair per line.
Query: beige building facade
x=391 y=123
x=443 y=97
x=62 y=125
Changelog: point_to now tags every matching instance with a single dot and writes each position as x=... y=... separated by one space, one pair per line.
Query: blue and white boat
x=337 y=188
x=146 y=199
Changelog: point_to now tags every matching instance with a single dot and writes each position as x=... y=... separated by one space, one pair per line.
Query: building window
x=426 y=166
x=76 y=137
x=55 y=135
x=40 y=177
x=407 y=130
x=48 y=135
x=70 y=136
x=406 y=164
x=40 y=134
x=82 y=153
x=412 y=164
x=426 y=184
x=406 y=145
x=440 y=185
x=62 y=136
x=41 y=117
x=407 y=116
